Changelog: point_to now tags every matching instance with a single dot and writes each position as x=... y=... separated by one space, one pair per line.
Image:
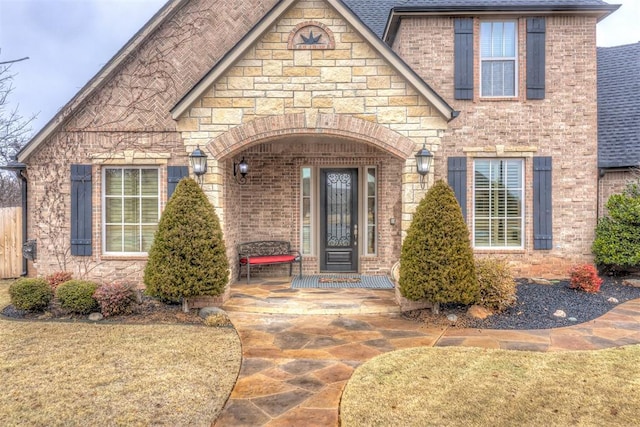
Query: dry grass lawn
x=91 y=374
x=476 y=387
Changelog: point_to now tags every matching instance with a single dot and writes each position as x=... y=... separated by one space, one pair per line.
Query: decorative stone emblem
x=311 y=35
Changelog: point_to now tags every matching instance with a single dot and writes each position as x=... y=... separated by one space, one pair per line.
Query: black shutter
x=463 y=58
x=174 y=175
x=535 y=57
x=542 y=218
x=457 y=178
x=81 y=201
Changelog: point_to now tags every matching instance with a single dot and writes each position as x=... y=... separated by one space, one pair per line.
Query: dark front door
x=339 y=220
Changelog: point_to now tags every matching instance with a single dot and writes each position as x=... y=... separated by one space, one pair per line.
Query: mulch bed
x=535 y=307
x=148 y=311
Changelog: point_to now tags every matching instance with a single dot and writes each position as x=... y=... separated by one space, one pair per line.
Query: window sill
x=499 y=250
x=499 y=99
x=124 y=257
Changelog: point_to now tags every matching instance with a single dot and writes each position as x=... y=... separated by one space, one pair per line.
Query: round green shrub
x=30 y=294
x=188 y=256
x=77 y=296
x=436 y=261
x=617 y=243
x=497 y=288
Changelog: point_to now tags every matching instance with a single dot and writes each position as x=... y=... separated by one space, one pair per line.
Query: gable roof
x=619 y=106
x=165 y=13
x=352 y=19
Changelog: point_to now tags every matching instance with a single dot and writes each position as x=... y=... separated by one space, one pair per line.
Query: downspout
x=23 y=185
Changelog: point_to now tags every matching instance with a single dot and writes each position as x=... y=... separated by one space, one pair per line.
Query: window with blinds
x=498 y=59
x=131 y=209
x=498 y=203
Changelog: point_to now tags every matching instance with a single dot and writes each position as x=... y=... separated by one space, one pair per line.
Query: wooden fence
x=10 y=242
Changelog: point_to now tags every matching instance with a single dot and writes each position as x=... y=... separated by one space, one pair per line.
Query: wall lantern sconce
x=423 y=163
x=198 y=163
x=242 y=169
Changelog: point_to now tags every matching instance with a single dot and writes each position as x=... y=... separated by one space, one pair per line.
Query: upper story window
x=131 y=209
x=498 y=65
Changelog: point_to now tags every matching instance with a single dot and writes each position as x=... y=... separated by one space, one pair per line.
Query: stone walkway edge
x=295 y=367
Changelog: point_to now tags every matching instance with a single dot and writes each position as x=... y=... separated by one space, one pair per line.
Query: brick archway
x=332 y=125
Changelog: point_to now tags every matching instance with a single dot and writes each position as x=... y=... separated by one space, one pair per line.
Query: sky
x=68 y=41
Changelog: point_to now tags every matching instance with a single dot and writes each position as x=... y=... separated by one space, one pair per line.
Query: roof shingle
x=619 y=106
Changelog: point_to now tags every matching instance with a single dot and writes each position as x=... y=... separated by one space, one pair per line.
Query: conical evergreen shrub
x=437 y=262
x=188 y=256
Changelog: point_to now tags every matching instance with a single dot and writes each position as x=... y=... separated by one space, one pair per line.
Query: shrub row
x=75 y=296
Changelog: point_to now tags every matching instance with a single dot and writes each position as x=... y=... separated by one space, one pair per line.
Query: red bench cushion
x=268 y=259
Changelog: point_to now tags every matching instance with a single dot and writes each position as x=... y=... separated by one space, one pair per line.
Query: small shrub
x=30 y=294
x=115 y=298
x=585 y=277
x=58 y=278
x=617 y=243
x=496 y=283
x=77 y=296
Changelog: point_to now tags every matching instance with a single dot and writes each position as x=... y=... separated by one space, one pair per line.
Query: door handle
x=355 y=234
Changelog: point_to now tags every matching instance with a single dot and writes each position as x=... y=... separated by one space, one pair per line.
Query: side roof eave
x=267 y=22
x=166 y=12
x=600 y=11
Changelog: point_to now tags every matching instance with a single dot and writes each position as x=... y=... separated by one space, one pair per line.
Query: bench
x=266 y=252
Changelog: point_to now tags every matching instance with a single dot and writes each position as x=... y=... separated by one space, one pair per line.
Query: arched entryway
x=334 y=190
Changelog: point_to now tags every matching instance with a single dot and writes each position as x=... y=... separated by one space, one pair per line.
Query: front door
x=339 y=220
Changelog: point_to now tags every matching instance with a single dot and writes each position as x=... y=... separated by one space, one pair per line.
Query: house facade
x=327 y=102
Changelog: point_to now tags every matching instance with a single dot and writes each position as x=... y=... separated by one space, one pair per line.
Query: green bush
x=77 y=296
x=436 y=262
x=497 y=288
x=188 y=256
x=30 y=294
x=617 y=243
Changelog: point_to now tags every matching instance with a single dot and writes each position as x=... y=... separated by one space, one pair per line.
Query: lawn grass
x=91 y=374
x=478 y=387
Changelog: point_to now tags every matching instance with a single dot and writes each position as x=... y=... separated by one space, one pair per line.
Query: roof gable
x=271 y=18
x=165 y=13
x=619 y=106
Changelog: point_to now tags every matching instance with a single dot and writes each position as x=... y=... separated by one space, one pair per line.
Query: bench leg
x=300 y=262
x=290 y=268
x=248 y=274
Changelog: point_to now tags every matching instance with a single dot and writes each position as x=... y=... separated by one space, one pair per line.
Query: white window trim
x=500 y=58
x=312 y=206
x=364 y=210
x=522 y=206
x=104 y=210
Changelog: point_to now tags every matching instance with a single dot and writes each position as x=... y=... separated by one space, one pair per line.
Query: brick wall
x=614 y=182
x=268 y=206
x=563 y=125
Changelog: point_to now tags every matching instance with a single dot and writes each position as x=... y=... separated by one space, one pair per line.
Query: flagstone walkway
x=295 y=366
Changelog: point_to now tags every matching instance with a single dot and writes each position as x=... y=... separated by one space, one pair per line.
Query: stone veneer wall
x=563 y=125
x=350 y=92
